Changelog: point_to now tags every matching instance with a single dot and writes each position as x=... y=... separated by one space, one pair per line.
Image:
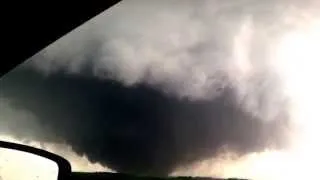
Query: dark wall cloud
x=136 y=129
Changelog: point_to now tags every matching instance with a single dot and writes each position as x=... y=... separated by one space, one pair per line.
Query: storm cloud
x=136 y=129
x=149 y=86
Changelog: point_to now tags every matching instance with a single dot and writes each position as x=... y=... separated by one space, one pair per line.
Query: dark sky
x=136 y=129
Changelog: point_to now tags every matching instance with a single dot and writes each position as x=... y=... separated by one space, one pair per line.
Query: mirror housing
x=64 y=167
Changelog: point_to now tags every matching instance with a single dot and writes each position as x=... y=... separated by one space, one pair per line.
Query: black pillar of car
x=27 y=27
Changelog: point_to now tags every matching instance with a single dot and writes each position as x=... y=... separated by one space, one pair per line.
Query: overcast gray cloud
x=190 y=48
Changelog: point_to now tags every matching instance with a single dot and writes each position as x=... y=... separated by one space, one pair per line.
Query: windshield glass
x=170 y=88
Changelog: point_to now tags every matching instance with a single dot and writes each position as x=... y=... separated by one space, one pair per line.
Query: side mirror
x=19 y=161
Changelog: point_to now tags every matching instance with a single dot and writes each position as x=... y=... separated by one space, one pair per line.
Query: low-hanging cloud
x=150 y=85
x=136 y=129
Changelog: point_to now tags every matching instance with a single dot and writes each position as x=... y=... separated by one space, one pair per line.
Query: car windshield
x=177 y=88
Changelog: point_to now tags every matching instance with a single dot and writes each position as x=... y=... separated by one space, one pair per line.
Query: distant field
x=119 y=176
